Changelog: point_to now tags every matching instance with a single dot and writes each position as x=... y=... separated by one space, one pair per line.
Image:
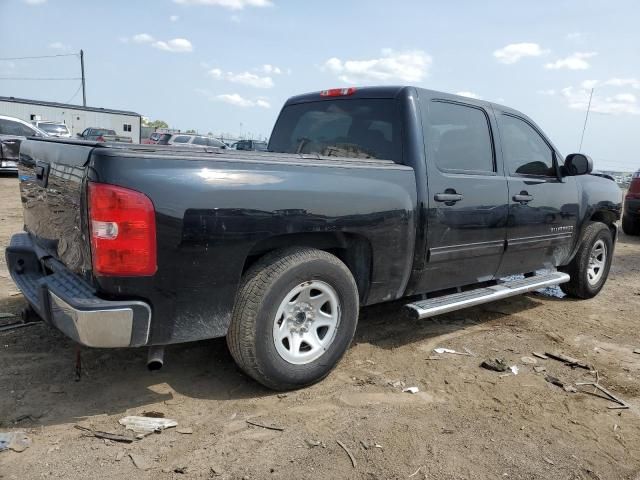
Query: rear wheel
x=630 y=225
x=590 y=267
x=295 y=316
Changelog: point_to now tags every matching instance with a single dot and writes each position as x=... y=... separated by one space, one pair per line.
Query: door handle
x=449 y=198
x=523 y=197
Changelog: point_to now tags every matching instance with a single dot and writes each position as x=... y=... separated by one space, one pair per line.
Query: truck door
x=467 y=198
x=543 y=207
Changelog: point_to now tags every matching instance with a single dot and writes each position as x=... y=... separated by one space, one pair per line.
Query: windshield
x=54 y=128
x=360 y=128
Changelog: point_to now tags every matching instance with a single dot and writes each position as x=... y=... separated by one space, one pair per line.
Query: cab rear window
x=360 y=128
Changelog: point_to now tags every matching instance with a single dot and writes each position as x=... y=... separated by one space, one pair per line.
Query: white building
x=75 y=117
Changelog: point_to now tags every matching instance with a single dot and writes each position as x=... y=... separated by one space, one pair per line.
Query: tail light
x=338 y=92
x=100 y=139
x=123 y=231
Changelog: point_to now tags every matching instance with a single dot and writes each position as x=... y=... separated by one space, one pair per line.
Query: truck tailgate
x=52 y=187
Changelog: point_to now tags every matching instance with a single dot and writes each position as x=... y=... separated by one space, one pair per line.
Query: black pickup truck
x=365 y=196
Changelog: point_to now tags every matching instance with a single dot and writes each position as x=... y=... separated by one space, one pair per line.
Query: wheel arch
x=607 y=217
x=353 y=249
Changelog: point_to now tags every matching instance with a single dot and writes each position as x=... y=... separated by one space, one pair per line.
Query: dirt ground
x=465 y=423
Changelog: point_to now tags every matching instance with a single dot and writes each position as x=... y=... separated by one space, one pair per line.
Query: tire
x=273 y=350
x=590 y=267
x=630 y=226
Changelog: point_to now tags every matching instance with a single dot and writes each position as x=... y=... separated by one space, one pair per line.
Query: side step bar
x=457 y=301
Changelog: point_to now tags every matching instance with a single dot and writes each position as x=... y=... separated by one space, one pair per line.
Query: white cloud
x=176 y=45
x=515 y=51
x=244 y=78
x=142 y=38
x=623 y=82
x=270 y=69
x=550 y=92
x=621 y=103
x=174 y=18
x=35 y=2
x=240 y=101
x=575 y=61
x=469 y=94
x=59 y=46
x=230 y=4
x=405 y=66
x=589 y=84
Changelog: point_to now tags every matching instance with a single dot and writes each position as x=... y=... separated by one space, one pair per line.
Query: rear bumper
x=67 y=302
x=632 y=207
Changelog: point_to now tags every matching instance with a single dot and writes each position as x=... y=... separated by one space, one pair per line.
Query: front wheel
x=589 y=269
x=295 y=316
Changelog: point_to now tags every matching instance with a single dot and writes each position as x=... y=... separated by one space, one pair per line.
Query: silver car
x=12 y=132
x=54 y=129
x=189 y=140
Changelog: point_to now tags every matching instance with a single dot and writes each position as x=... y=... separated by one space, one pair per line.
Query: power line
x=41 y=56
x=41 y=78
x=74 y=95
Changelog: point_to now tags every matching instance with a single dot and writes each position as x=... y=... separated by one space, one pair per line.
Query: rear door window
x=181 y=139
x=9 y=127
x=199 y=140
x=460 y=138
x=524 y=149
x=360 y=128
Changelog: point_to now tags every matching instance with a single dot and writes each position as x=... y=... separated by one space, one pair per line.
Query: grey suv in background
x=188 y=140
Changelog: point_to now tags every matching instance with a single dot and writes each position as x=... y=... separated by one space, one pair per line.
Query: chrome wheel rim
x=306 y=322
x=597 y=261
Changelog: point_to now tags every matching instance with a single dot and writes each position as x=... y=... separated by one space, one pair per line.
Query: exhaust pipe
x=155 y=358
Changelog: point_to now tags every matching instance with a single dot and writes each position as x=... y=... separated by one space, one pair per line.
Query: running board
x=456 y=301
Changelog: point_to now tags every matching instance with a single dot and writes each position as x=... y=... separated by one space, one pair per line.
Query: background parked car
x=54 y=129
x=251 y=145
x=631 y=216
x=12 y=132
x=157 y=138
x=188 y=140
x=103 y=135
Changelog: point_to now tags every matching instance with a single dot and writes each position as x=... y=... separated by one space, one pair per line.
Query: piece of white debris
x=444 y=350
x=411 y=390
x=514 y=369
x=147 y=424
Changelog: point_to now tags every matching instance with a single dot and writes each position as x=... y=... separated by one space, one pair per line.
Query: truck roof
x=390 y=91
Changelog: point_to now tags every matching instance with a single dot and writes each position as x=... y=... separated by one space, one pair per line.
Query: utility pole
x=84 y=93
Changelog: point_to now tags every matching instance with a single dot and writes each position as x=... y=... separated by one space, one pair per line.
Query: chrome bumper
x=67 y=302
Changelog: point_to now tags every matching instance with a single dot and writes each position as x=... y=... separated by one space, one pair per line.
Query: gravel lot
x=465 y=423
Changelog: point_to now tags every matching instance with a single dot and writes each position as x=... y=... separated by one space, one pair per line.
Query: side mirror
x=578 y=164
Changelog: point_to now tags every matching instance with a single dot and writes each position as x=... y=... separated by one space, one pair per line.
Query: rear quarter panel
x=211 y=212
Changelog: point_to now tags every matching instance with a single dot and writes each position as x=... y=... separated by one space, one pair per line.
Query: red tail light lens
x=100 y=139
x=338 y=92
x=123 y=231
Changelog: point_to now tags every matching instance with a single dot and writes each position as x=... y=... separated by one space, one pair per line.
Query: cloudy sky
x=227 y=65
